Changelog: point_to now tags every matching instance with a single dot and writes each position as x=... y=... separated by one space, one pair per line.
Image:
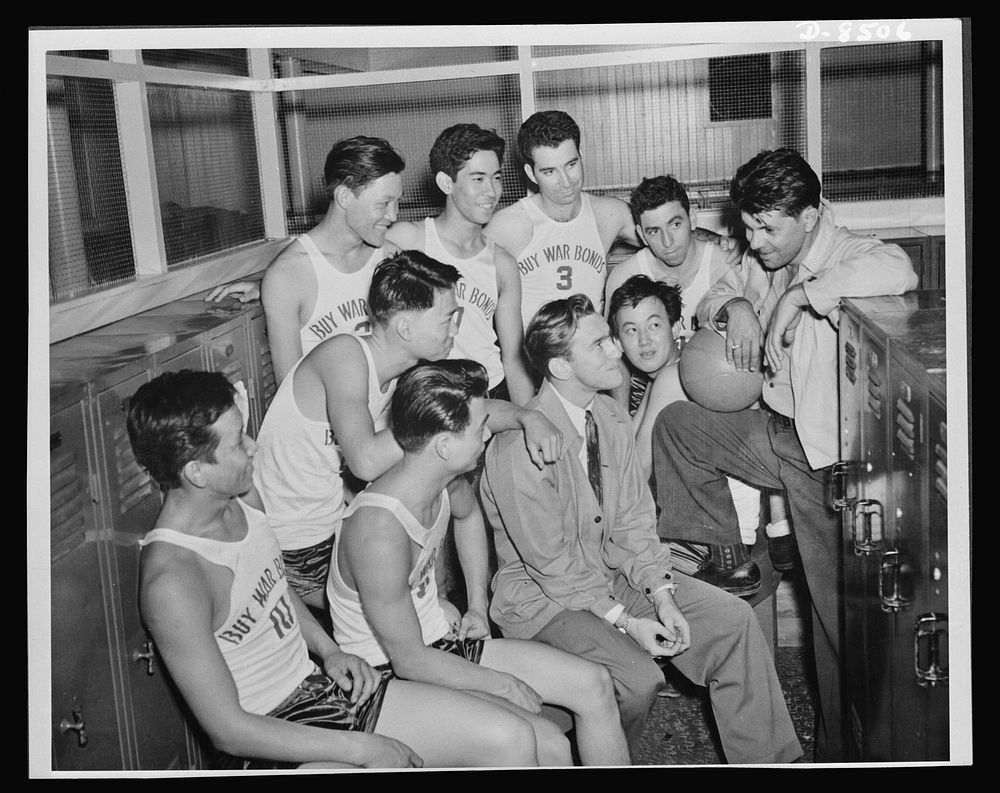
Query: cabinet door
x=158 y=733
x=869 y=638
x=931 y=637
x=904 y=568
x=228 y=353
x=88 y=731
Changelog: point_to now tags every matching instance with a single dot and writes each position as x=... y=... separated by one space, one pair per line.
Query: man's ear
x=693 y=214
x=442 y=445
x=810 y=215
x=639 y=233
x=531 y=173
x=403 y=328
x=192 y=473
x=341 y=193
x=559 y=368
x=444 y=182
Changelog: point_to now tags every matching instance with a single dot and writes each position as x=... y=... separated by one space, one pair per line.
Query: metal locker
x=88 y=729
x=157 y=726
x=880 y=485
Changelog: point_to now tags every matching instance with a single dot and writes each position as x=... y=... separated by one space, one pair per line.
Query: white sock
x=779 y=529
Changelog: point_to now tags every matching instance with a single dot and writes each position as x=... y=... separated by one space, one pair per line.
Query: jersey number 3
x=565 y=277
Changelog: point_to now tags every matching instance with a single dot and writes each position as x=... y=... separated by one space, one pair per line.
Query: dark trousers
x=693 y=451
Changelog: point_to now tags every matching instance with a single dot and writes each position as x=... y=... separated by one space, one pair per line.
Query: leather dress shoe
x=742 y=581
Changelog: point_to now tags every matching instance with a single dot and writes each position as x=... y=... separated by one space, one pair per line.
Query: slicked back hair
x=550 y=332
x=407 y=281
x=170 y=418
x=431 y=398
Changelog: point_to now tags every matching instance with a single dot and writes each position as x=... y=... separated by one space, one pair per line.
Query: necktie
x=594 y=458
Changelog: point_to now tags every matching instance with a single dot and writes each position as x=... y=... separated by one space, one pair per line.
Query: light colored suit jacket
x=557 y=548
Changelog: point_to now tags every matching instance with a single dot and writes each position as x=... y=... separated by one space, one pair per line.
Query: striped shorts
x=318 y=702
x=307 y=568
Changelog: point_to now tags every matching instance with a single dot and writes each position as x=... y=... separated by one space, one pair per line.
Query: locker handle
x=55 y=441
x=842 y=485
x=77 y=725
x=867 y=527
x=892 y=582
x=926 y=633
x=147 y=656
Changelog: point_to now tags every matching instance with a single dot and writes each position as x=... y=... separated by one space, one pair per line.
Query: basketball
x=710 y=380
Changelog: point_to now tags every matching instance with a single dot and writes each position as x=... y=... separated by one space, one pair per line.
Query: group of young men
x=401 y=348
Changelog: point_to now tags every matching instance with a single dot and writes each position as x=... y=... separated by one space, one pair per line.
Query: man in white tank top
x=328 y=412
x=382 y=579
x=268 y=686
x=466 y=161
x=317 y=287
x=559 y=235
x=665 y=221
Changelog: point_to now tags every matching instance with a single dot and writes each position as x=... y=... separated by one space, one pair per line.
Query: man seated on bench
x=382 y=586
x=268 y=686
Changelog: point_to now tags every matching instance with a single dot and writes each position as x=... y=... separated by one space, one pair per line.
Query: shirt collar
x=818 y=254
x=577 y=415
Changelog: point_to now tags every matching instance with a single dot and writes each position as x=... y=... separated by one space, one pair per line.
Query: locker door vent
x=134 y=484
x=875 y=393
x=851 y=363
x=67 y=502
x=906 y=428
x=941 y=462
x=268 y=386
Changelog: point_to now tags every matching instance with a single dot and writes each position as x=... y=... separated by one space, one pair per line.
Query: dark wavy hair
x=775 y=181
x=655 y=192
x=356 y=162
x=170 y=418
x=551 y=330
x=434 y=397
x=545 y=128
x=407 y=281
x=636 y=289
x=456 y=145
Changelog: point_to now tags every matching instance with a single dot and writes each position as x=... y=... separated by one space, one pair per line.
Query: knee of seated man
x=594 y=685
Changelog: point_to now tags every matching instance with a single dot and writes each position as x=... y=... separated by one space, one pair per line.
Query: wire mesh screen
x=643 y=120
x=229 y=61
x=408 y=115
x=554 y=50
x=205 y=151
x=90 y=244
x=882 y=121
x=93 y=55
x=337 y=60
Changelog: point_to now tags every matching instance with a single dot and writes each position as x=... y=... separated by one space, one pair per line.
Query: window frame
x=155 y=284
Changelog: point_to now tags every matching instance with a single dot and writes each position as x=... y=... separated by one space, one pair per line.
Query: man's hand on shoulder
x=543 y=440
x=728 y=244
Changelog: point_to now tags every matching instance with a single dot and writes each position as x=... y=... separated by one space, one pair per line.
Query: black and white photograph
x=499 y=398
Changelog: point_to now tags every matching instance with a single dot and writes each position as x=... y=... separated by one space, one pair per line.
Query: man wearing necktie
x=581 y=566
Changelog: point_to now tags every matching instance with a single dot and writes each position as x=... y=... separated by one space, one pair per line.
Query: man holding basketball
x=784 y=299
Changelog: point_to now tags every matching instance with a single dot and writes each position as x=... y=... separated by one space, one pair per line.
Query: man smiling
x=784 y=299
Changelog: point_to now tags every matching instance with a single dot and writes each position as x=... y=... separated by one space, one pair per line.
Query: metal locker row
x=113 y=705
x=894 y=524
